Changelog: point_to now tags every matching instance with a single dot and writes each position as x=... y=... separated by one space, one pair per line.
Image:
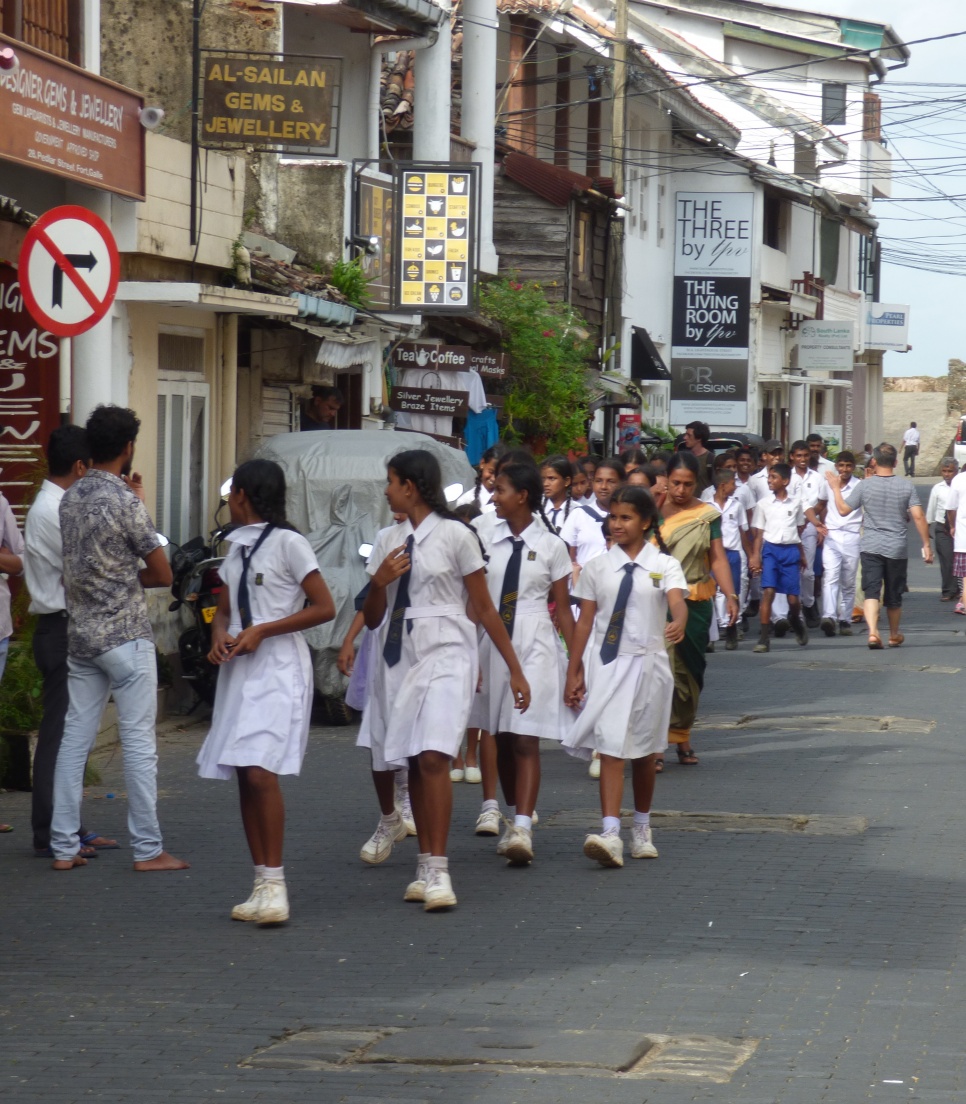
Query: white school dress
x=628 y=706
x=484 y=500
x=264 y=700
x=422 y=703
x=582 y=531
x=544 y=561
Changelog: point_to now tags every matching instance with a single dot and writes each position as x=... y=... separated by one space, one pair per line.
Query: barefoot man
x=106 y=534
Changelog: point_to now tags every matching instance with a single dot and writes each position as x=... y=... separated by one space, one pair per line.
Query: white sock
x=644 y=819
x=612 y=825
x=274 y=874
x=259 y=873
x=389 y=818
x=437 y=862
x=490 y=805
x=521 y=821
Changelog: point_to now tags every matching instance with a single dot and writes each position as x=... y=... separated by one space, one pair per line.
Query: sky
x=927 y=136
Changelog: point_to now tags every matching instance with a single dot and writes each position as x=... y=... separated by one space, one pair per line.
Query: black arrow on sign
x=75 y=260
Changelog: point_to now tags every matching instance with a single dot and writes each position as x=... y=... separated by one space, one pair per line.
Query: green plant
x=350 y=278
x=21 y=690
x=550 y=351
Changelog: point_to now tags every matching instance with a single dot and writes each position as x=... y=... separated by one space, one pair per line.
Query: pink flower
x=548 y=333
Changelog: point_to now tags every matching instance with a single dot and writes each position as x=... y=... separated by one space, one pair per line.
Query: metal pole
x=195 y=79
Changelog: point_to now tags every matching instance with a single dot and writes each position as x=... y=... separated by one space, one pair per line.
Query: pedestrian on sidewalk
x=11 y=563
x=841 y=537
x=778 y=523
x=68 y=459
x=954 y=507
x=623 y=678
x=696 y=437
x=910 y=441
x=730 y=501
x=691 y=530
x=272 y=592
x=582 y=531
x=939 y=527
x=887 y=502
x=528 y=568
x=424 y=572
x=107 y=533
x=805 y=484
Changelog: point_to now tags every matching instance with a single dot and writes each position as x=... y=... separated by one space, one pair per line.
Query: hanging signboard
x=711 y=307
x=437 y=234
x=427 y=354
x=887 y=327
x=491 y=365
x=29 y=392
x=66 y=121
x=280 y=102
x=826 y=346
x=430 y=400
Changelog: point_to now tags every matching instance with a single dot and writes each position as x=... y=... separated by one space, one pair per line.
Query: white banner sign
x=712 y=233
x=887 y=327
x=826 y=346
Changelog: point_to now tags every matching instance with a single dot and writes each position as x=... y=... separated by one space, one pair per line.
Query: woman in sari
x=691 y=529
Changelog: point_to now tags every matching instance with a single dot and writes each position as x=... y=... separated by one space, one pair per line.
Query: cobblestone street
x=818 y=958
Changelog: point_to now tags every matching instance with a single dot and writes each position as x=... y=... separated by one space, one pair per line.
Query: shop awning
x=646 y=362
x=815 y=381
x=339 y=349
x=205 y=297
x=611 y=389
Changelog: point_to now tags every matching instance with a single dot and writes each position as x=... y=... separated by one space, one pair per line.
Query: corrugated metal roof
x=552 y=183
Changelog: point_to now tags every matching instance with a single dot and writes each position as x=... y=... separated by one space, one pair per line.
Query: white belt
x=433 y=611
x=653 y=647
x=532 y=605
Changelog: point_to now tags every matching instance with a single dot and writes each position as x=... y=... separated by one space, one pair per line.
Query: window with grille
x=53 y=26
x=280 y=411
x=834 y=103
x=872 y=117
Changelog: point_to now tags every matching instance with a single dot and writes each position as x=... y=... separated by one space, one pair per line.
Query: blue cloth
x=481 y=433
x=734 y=562
x=780 y=568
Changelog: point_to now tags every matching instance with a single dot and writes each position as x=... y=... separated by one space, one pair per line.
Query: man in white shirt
x=68 y=458
x=936 y=519
x=818 y=461
x=841 y=537
x=730 y=500
x=957 y=492
x=910 y=442
x=805 y=486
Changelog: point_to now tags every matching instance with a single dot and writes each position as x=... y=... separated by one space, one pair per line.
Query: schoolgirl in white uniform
x=423 y=572
x=557 y=474
x=481 y=494
x=529 y=566
x=627 y=685
x=582 y=531
x=260 y=724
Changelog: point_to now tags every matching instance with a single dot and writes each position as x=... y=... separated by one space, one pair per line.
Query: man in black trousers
x=68 y=459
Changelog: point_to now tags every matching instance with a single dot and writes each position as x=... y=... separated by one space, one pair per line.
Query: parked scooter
x=197 y=585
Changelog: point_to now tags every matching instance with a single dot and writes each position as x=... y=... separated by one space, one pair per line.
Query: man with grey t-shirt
x=887 y=503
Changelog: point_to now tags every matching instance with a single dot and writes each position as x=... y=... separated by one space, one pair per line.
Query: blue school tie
x=392 y=649
x=612 y=640
x=244 y=598
x=511 y=587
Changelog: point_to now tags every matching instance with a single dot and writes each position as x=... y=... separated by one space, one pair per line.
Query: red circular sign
x=68 y=270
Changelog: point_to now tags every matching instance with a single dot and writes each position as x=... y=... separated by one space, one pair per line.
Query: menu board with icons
x=436 y=219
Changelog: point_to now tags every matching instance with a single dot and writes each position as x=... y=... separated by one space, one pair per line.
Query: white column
x=796 y=412
x=432 y=98
x=92 y=351
x=91 y=36
x=479 y=88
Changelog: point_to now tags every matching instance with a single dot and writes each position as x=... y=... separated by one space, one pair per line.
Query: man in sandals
x=887 y=502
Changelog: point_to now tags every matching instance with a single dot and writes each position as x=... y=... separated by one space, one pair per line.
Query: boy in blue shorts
x=778 y=521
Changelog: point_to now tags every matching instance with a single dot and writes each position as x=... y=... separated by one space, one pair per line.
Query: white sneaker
x=439 y=890
x=488 y=823
x=535 y=819
x=378 y=847
x=519 y=846
x=473 y=774
x=607 y=850
x=642 y=843
x=248 y=909
x=505 y=839
x=273 y=904
x=457 y=774
x=405 y=809
x=416 y=890
x=594 y=769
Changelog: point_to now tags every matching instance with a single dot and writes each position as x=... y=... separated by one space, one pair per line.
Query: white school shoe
x=416 y=890
x=439 y=891
x=504 y=840
x=247 y=910
x=457 y=774
x=642 y=843
x=519 y=846
x=607 y=850
x=378 y=847
x=488 y=823
x=272 y=904
x=473 y=774
x=594 y=769
x=405 y=809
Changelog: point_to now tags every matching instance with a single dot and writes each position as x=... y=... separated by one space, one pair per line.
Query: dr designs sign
x=712 y=299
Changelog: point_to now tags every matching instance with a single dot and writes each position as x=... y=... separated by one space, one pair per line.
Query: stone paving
x=831 y=959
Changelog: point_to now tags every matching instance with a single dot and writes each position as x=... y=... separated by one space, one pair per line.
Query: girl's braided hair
x=488 y=457
x=421 y=468
x=263 y=482
x=640 y=501
x=563 y=467
x=526 y=479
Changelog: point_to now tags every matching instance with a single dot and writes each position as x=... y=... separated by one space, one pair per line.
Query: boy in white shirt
x=941 y=536
x=778 y=555
x=840 y=550
x=728 y=499
x=806 y=484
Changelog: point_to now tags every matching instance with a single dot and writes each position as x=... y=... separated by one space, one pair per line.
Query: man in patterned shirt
x=107 y=533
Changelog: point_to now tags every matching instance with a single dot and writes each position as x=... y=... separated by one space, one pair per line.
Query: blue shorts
x=781 y=568
x=734 y=562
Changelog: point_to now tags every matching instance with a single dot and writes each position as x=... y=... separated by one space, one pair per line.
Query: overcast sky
x=937 y=301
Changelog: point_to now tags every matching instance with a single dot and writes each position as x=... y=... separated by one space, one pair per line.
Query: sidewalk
x=821 y=958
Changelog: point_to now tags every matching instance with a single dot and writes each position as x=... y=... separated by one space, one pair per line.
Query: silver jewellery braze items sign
x=711 y=308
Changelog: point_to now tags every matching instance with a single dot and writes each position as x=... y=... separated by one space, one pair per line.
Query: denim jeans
x=130 y=673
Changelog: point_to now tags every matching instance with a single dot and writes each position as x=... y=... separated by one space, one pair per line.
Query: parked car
x=722 y=440
x=335 y=483
x=959 y=443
